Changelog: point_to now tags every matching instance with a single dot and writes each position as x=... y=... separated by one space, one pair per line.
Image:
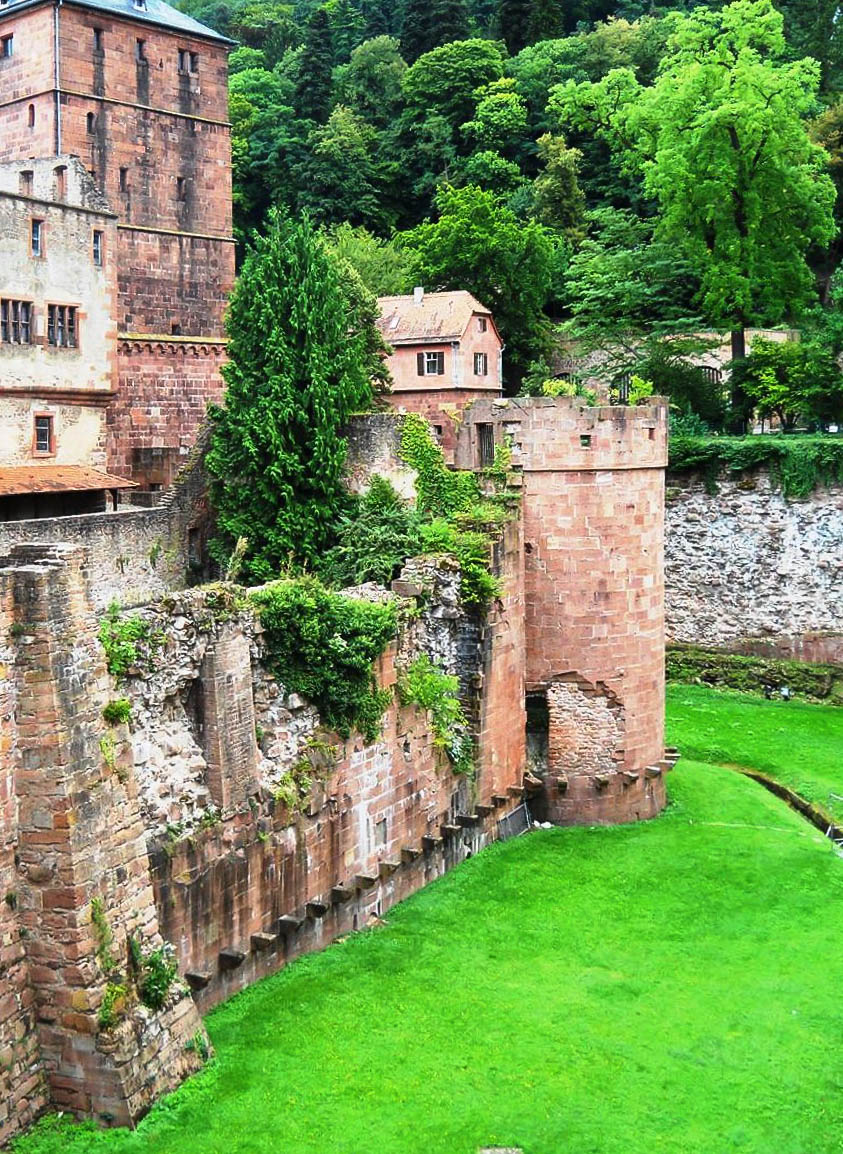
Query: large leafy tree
x=479 y=244
x=722 y=142
x=298 y=367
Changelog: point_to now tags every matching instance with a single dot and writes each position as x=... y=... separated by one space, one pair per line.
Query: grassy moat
x=674 y=987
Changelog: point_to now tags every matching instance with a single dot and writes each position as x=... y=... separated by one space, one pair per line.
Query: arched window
x=91 y=122
x=31 y=116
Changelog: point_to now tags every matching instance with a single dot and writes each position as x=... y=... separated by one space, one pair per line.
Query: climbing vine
x=797 y=464
x=424 y=685
x=459 y=518
x=322 y=645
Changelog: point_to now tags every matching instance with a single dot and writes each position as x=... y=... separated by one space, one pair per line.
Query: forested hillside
x=626 y=169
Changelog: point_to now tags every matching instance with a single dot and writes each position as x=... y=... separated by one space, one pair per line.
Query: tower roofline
x=155 y=12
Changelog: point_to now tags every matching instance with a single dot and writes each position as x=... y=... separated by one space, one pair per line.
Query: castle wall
x=593 y=509
x=750 y=571
x=79 y=837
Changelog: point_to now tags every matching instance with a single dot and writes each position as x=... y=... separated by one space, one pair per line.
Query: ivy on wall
x=798 y=464
x=322 y=645
x=424 y=685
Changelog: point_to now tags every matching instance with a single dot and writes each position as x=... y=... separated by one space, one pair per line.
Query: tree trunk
x=740 y=420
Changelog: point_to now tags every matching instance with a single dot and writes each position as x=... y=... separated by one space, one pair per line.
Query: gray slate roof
x=153 y=12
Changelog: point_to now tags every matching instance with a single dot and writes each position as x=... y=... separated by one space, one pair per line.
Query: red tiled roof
x=16 y=479
x=438 y=317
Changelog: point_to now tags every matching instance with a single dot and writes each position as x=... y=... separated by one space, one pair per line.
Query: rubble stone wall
x=750 y=571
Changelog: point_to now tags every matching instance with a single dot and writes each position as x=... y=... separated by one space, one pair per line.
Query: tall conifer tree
x=313 y=90
x=431 y=23
x=514 y=21
x=298 y=368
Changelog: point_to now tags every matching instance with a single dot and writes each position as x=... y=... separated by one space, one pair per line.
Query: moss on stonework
x=695 y=665
x=797 y=464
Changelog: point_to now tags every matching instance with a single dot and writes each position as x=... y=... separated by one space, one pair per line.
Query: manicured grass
x=800 y=745
x=667 y=988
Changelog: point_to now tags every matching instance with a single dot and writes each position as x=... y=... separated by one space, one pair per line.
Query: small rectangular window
x=62 y=329
x=98 y=247
x=25 y=182
x=140 y=51
x=98 y=40
x=7 y=47
x=60 y=174
x=481 y=364
x=124 y=179
x=37 y=237
x=481 y=324
x=43 y=442
x=193 y=61
x=181 y=188
x=183 y=60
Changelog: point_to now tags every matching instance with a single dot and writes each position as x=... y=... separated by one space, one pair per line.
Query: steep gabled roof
x=436 y=317
x=152 y=12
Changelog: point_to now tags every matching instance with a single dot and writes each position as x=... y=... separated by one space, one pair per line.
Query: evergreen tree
x=547 y=21
x=514 y=20
x=298 y=368
x=431 y=23
x=313 y=89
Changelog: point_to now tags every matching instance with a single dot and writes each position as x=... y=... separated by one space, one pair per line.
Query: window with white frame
x=481 y=364
x=430 y=364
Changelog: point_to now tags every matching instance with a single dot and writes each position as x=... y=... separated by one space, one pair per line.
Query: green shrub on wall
x=797 y=464
x=687 y=663
x=322 y=645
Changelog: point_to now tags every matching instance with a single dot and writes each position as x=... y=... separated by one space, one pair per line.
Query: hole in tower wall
x=538 y=730
x=194 y=707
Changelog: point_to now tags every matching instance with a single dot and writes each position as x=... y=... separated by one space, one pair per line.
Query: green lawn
x=800 y=745
x=673 y=986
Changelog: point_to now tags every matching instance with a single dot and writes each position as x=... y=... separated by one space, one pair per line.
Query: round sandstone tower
x=593 y=516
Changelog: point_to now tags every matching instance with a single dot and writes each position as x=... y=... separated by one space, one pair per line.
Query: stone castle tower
x=138 y=91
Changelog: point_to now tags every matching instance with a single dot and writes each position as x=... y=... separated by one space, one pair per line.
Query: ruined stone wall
x=750 y=571
x=75 y=825
x=245 y=880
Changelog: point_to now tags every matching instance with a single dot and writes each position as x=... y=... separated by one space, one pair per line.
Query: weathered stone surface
x=750 y=571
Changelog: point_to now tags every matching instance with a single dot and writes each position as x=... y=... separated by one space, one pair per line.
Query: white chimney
x=418 y=294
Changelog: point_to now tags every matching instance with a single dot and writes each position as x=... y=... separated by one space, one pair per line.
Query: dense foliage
x=322 y=645
x=797 y=464
x=631 y=169
x=424 y=685
x=297 y=369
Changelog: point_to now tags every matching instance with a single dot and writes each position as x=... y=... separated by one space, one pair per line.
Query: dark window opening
x=585 y=440
x=124 y=179
x=7 y=47
x=91 y=123
x=175 y=329
x=485 y=445
x=181 y=188
x=481 y=324
x=98 y=43
x=538 y=732
x=97 y=247
x=140 y=51
x=30 y=116
x=62 y=329
x=15 y=322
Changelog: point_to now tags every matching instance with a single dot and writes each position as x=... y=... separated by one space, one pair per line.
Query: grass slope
x=666 y=988
x=799 y=744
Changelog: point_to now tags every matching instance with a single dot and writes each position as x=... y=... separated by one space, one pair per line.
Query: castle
x=115 y=238
x=151 y=811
